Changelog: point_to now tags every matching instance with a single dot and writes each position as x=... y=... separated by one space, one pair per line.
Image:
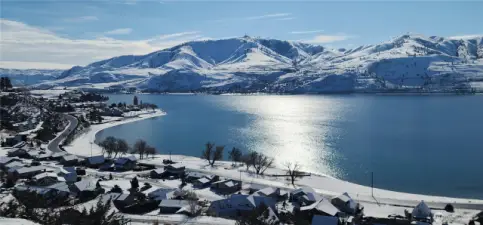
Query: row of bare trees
x=258 y=161
x=113 y=146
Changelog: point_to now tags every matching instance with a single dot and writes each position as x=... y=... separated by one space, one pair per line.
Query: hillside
x=30 y=76
x=408 y=62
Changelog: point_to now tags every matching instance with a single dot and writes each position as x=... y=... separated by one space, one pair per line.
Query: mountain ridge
x=268 y=65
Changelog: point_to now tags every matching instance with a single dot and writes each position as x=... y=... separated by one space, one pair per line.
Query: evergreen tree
x=135 y=100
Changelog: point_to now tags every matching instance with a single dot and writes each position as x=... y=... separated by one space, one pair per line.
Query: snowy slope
x=29 y=77
x=408 y=62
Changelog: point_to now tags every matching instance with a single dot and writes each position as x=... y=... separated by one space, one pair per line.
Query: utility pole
x=372 y=184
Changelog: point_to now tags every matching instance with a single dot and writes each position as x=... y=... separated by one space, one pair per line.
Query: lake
x=417 y=144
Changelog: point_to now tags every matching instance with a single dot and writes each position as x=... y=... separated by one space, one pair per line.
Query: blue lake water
x=418 y=144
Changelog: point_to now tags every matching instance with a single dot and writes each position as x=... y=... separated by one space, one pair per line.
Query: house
x=6 y=160
x=125 y=163
x=321 y=207
x=237 y=205
x=422 y=213
x=162 y=194
x=272 y=192
x=95 y=161
x=304 y=196
x=32 y=154
x=46 y=179
x=156 y=174
x=86 y=189
x=27 y=172
x=192 y=176
x=226 y=186
x=205 y=181
x=61 y=188
x=68 y=173
x=14 y=165
x=255 y=187
x=15 y=139
x=172 y=206
x=125 y=199
x=69 y=160
x=135 y=203
x=44 y=156
x=174 y=172
x=58 y=155
x=107 y=166
x=346 y=204
x=17 y=152
x=325 y=220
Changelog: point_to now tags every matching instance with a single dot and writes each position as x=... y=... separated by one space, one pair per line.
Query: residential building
x=346 y=204
x=237 y=205
x=95 y=161
x=46 y=179
x=321 y=207
x=27 y=172
x=172 y=206
x=226 y=186
x=69 y=160
x=125 y=163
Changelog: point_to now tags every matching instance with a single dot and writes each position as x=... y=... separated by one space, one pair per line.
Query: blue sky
x=59 y=34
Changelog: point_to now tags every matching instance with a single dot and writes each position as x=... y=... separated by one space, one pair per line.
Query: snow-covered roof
x=99 y=159
x=304 y=190
x=124 y=160
x=162 y=193
x=158 y=171
x=86 y=184
x=30 y=169
x=69 y=157
x=53 y=175
x=59 y=154
x=173 y=203
x=14 y=164
x=5 y=160
x=61 y=186
x=324 y=220
x=203 y=180
x=269 y=190
x=322 y=205
x=421 y=211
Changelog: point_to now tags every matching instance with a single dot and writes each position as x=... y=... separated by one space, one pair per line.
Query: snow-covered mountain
x=267 y=65
x=30 y=76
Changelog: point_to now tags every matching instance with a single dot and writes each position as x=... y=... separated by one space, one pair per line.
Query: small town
x=44 y=183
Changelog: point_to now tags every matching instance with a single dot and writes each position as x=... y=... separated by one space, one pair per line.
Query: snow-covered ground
x=323 y=184
x=15 y=221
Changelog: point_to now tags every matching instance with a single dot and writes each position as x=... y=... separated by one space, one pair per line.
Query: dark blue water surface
x=419 y=144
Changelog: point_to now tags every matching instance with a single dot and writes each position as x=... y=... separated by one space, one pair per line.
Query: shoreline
x=325 y=185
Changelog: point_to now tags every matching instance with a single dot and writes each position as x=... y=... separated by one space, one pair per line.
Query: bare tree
x=218 y=154
x=212 y=155
x=140 y=148
x=235 y=155
x=206 y=154
x=194 y=209
x=122 y=147
x=150 y=150
x=293 y=171
x=109 y=145
x=260 y=162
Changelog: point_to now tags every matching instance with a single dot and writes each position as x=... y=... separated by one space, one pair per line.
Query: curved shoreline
x=326 y=185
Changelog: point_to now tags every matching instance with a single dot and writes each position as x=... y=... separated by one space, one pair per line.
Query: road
x=54 y=144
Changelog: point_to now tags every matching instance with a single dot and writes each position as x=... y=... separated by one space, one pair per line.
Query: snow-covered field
x=323 y=184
